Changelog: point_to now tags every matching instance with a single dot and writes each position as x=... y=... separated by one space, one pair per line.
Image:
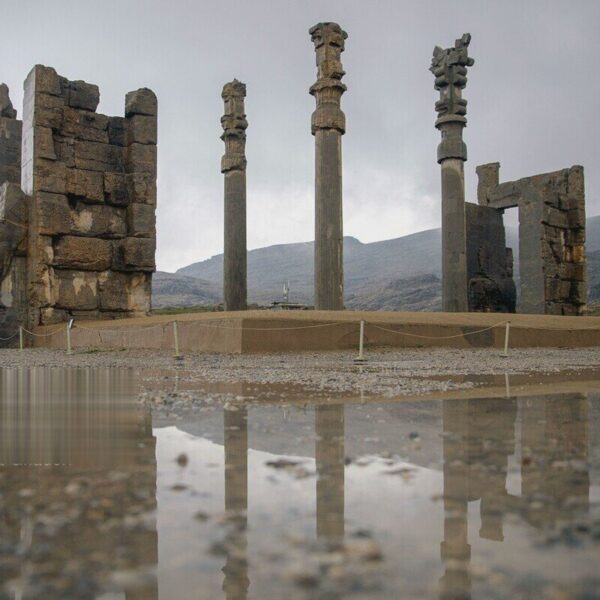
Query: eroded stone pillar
x=329 y=457
x=449 y=67
x=328 y=125
x=236 y=582
x=233 y=166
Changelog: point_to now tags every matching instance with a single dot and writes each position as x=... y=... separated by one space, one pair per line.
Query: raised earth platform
x=268 y=331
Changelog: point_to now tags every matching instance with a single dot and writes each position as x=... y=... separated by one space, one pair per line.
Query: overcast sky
x=533 y=93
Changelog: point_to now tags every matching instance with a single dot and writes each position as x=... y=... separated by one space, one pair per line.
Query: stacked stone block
x=13 y=221
x=552 y=259
x=92 y=182
x=491 y=287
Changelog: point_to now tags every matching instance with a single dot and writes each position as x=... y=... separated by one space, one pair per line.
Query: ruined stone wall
x=10 y=139
x=552 y=258
x=489 y=262
x=13 y=222
x=92 y=182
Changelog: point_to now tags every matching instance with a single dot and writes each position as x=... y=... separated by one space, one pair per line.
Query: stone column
x=455 y=550
x=235 y=424
x=329 y=458
x=449 y=67
x=328 y=125
x=233 y=166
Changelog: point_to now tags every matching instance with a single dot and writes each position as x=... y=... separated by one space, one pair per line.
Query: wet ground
x=489 y=488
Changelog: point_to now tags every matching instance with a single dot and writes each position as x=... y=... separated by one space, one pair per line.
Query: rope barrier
x=43 y=334
x=207 y=326
x=443 y=337
x=101 y=330
x=6 y=339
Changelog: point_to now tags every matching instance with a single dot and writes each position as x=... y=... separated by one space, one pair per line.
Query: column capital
x=234 y=125
x=329 y=40
x=449 y=67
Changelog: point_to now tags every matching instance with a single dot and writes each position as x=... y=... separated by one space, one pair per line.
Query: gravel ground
x=386 y=373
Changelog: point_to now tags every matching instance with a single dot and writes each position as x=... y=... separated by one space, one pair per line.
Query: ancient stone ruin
x=328 y=125
x=233 y=167
x=477 y=267
x=552 y=259
x=78 y=237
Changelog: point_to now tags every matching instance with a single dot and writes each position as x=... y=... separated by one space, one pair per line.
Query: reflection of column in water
x=491 y=442
x=455 y=549
x=555 y=471
x=236 y=582
x=329 y=454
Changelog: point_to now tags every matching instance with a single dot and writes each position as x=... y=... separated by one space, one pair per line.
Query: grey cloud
x=532 y=100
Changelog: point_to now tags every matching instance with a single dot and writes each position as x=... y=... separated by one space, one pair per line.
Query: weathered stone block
x=50 y=176
x=134 y=254
x=141 y=102
x=53 y=214
x=14 y=205
x=141 y=188
x=98 y=157
x=87 y=185
x=65 y=150
x=556 y=218
x=114 y=290
x=579 y=292
x=10 y=150
x=557 y=290
x=51 y=316
x=6 y=108
x=77 y=290
x=141 y=220
x=116 y=131
x=82 y=95
x=141 y=158
x=44 y=143
x=48 y=111
x=141 y=129
x=88 y=254
x=46 y=80
x=115 y=189
x=99 y=221
x=85 y=125
x=85 y=315
x=575 y=254
x=140 y=293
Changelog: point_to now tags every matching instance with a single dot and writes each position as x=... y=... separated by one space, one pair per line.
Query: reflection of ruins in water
x=235 y=425
x=93 y=508
x=479 y=437
x=330 y=459
x=77 y=483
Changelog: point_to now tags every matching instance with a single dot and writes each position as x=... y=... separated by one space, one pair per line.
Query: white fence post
x=21 y=337
x=69 y=351
x=361 y=343
x=176 y=339
x=506 y=334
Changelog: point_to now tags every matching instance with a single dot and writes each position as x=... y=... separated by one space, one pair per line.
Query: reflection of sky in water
x=464 y=493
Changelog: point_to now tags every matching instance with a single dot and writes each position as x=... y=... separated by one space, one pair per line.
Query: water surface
x=458 y=498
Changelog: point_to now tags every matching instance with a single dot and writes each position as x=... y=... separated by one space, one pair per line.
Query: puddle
x=467 y=497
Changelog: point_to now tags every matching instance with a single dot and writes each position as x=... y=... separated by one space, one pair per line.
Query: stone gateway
x=78 y=237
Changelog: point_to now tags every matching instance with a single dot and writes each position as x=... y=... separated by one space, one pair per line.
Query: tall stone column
x=329 y=458
x=328 y=125
x=235 y=425
x=233 y=166
x=449 y=67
